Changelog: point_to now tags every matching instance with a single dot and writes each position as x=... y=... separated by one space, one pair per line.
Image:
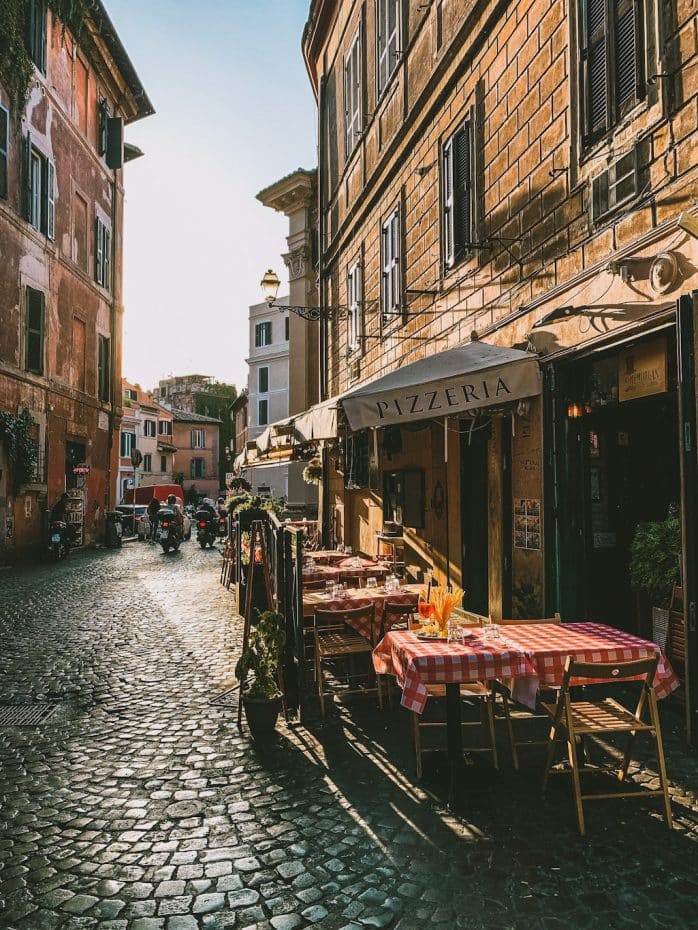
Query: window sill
x=605 y=144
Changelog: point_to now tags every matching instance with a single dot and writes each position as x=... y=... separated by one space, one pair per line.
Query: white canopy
x=319 y=422
x=460 y=380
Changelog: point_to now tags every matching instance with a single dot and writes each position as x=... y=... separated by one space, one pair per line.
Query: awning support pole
x=448 y=534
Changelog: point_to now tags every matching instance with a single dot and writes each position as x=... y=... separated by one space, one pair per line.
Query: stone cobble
x=140 y=806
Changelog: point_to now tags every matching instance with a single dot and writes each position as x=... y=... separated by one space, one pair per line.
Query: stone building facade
x=524 y=175
x=196 y=440
x=61 y=236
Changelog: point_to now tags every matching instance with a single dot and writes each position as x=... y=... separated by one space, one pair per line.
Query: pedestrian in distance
x=153 y=508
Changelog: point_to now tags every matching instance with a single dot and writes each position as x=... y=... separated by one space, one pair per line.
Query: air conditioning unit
x=617 y=185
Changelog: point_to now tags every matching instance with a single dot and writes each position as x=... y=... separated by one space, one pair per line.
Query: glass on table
x=426 y=609
x=330 y=587
x=372 y=582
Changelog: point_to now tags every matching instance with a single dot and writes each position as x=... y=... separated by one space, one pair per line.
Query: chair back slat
x=338 y=619
x=555 y=619
x=315 y=585
x=616 y=671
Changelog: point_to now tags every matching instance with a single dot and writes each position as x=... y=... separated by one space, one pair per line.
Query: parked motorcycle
x=206 y=528
x=59 y=540
x=169 y=533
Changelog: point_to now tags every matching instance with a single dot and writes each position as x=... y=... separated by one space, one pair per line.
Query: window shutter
x=106 y=258
x=27 y=176
x=395 y=270
x=50 y=199
x=99 y=250
x=192 y=468
x=4 y=146
x=462 y=192
x=447 y=168
x=628 y=55
x=595 y=58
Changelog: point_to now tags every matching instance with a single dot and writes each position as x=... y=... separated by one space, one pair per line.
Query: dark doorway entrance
x=74 y=455
x=618 y=467
x=475 y=516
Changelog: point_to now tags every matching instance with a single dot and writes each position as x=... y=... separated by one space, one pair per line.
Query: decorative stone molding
x=297 y=262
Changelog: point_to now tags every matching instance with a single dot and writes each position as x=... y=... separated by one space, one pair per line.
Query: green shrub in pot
x=655 y=555
x=257 y=668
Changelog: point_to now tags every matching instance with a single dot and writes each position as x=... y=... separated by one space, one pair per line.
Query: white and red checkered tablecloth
x=417 y=664
x=549 y=644
x=362 y=597
x=534 y=655
x=340 y=572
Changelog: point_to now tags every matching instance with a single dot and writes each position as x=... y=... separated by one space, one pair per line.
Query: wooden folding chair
x=579 y=719
x=317 y=585
x=398 y=616
x=503 y=689
x=335 y=639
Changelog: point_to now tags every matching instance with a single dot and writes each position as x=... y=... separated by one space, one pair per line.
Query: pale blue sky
x=235 y=113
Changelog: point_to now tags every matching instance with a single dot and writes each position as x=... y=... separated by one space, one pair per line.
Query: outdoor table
x=361 y=597
x=326 y=556
x=530 y=654
x=339 y=571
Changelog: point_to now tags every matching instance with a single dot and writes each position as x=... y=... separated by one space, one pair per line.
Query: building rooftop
x=184 y=417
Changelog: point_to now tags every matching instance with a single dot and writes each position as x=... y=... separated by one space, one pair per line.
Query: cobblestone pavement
x=139 y=805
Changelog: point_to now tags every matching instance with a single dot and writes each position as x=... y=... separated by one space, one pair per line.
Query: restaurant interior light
x=574 y=410
x=270 y=286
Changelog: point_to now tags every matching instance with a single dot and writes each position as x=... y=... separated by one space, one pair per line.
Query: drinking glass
x=371 y=582
x=425 y=608
x=329 y=588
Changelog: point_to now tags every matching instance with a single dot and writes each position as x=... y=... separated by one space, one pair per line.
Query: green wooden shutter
x=447 y=186
x=462 y=191
x=27 y=176
x=628 y=55
x=34 y=331
x=595 y=67
x=50 y=199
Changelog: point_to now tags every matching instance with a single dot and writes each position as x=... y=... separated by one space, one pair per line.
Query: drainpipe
x=112 y=338
x=322 y=347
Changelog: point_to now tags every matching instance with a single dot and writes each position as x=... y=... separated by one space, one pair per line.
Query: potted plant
x=240 y=484
x=261 y=698
x=655 y=556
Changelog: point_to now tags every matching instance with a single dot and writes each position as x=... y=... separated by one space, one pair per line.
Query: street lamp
x=270 y=286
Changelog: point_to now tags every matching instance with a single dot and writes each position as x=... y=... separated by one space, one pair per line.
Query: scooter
x=222 y=525
x=169 y=533
x=58 y=540
x=206 y=529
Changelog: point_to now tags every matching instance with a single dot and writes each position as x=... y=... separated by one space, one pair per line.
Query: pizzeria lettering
x=429 y=402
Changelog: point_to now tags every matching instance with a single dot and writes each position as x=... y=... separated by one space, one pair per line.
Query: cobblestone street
x=139 y=805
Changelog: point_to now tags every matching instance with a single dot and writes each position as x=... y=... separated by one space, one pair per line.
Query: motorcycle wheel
x=165 y=547
x=202 y=543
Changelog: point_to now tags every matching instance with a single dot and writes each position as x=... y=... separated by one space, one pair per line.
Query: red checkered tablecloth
x=340 y=572
x=361 y=597
x=531 y=654
x=549 y=644
x=417 y=664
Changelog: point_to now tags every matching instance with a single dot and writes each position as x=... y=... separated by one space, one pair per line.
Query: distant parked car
x=132 y=520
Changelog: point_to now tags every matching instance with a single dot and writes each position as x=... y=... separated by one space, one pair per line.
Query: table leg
x=454 y=737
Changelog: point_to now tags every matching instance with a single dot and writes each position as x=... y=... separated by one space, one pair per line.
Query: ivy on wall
x=16 y=66
x=17 y=430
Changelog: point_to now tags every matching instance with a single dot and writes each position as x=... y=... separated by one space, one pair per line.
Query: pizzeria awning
x=463 y=380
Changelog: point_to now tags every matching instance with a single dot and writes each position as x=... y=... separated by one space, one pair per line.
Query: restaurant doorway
x=475 y=436
x=618 y=465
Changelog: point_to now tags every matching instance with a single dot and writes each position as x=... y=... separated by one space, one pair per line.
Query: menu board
x=527 y=523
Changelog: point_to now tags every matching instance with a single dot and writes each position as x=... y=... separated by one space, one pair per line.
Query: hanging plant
x=240 y=484
x=312 y=473
x=17 y=430
x=16 y=66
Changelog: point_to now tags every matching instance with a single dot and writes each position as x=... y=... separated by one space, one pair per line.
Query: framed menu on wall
x=527 y=523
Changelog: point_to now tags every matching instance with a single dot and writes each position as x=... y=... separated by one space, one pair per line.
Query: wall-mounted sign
x=81 y=469
x=642 y=370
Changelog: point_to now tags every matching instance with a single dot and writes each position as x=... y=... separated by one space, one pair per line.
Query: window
x=39 y=190
x=354 y=307
x=77 y=351
x=390 y=266
x=388 y=29
x=130 y=394
x=149 y=428
x=262 y=412
x=80 y=231
x=102 y=254
x=614 y=186
x=287 y=327
x=128 y=444
x=198 y=468
x=262 y=334
x=103 y=368
x=147 y=462
x=611 y=61
x=403 y=498
x=36 y=33
x=163 y=463
x=34 y=341
x=262 y=380
x=458 y=195
x=352 y=95
x=198 y=439
x=4 y=148
x=165 y=427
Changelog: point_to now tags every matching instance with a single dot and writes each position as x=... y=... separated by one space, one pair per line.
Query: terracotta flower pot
x=261 y=715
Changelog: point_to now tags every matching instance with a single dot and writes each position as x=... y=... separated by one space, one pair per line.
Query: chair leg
x=660 y=759
x=417 y=742
x=552 y=739
x=320 y=683
x=510 y=730
x=493 y=735
x=379 y=688
x=623 y=772
x=574 y=762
